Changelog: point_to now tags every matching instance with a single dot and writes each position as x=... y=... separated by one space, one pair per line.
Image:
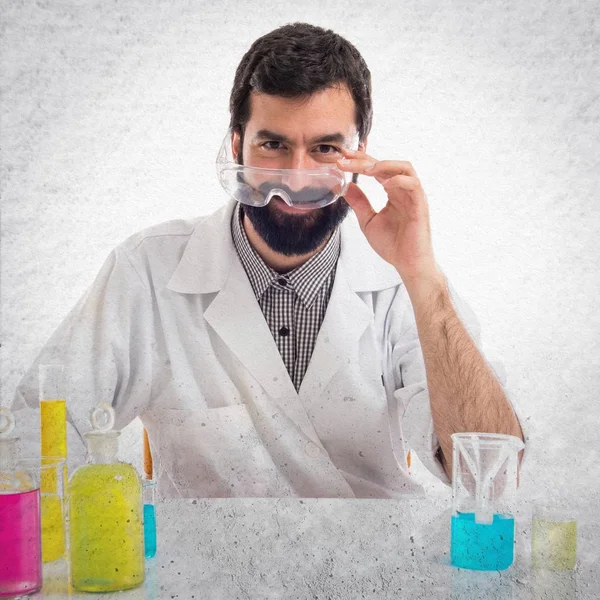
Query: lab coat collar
x=210 y=253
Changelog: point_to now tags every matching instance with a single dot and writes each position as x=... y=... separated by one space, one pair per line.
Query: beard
x=296 y=234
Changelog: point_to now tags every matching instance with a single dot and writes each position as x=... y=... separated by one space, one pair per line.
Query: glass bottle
x=20 y=530
x=105 y=513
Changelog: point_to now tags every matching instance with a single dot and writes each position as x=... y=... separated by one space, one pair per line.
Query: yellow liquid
x=53 y=531
x=54 y=443
x=54 y=427
x=106 y=528
x=554 y=545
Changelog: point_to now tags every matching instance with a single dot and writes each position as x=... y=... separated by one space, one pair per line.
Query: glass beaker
x=20 y=527
x=553 y=537
x=484 y=482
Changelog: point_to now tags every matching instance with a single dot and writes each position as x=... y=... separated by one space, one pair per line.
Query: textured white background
x=112 y=114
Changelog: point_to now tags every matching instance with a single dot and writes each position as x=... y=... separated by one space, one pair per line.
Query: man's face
x=284 y=133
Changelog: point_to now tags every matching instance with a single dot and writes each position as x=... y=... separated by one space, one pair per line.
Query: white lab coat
x=170 y=331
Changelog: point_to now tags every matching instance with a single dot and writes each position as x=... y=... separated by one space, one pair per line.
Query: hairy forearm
x=464 y=392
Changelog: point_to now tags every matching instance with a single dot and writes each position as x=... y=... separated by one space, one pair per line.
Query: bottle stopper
x=7 y=422
x=102 y=417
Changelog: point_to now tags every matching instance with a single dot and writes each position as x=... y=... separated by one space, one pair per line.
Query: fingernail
x=345 y=161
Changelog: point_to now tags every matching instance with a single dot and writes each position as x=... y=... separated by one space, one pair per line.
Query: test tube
x=148 y=494
x=53 y=415
x=53 y=410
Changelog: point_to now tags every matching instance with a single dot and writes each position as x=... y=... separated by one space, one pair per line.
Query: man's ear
x=235 y=144
x=362 y=146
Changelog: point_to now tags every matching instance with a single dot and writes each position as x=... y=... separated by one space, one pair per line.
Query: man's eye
x=327 y=149
x=272 y=145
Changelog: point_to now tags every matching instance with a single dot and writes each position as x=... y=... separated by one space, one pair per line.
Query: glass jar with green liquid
x=105 y=513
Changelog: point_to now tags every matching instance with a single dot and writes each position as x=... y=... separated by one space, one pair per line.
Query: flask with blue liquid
x=484 y=483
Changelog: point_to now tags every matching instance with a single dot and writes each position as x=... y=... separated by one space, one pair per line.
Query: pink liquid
x=20 y=543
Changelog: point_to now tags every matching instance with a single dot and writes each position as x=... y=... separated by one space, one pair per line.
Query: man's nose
x=294 y=180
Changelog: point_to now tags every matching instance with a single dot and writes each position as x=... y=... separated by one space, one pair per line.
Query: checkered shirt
x=293 y=303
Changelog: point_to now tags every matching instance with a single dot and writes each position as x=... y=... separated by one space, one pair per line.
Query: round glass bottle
x=105 y=513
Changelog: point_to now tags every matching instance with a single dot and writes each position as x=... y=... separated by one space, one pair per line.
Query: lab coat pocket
x=214 y=453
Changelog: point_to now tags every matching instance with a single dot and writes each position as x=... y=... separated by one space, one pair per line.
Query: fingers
x=403 y=182
x=398 y=178
x=392 y=174
x=391 y=168
x=360 y=204
x=356 y=161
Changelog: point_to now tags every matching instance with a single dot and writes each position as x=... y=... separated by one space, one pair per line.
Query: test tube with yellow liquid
x=53 y=414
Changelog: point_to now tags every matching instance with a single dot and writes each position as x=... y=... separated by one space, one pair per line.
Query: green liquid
x=106 y=531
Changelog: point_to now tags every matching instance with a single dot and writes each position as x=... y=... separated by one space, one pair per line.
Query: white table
x=333 y=549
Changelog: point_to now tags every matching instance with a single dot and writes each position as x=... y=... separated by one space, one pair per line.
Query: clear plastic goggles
x=305 y=189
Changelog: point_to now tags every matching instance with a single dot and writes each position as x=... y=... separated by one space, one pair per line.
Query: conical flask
x=484 y=483
x=105 y=512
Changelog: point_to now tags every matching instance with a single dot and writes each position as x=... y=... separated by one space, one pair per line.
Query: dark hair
x=298 y=60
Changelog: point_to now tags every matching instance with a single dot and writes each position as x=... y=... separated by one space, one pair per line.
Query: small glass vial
x=149 y=487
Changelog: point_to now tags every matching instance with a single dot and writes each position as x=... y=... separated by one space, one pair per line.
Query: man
x=268 y=350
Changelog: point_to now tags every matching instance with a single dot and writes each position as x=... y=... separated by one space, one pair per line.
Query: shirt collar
x=306 y=280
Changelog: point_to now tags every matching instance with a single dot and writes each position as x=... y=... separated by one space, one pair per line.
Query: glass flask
x=105 y=514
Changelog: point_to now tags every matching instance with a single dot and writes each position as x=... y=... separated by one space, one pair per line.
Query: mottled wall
x=112 y=114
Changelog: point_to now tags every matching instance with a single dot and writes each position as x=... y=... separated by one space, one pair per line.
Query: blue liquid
x=482 y=547
x=149 y=531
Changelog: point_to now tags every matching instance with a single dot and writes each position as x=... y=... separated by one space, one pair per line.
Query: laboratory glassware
x=484 y=483
x=105 y=514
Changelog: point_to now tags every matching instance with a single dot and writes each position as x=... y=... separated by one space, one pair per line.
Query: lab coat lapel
x=358 y=269
x=234 y=313
x=236 y=317
x=210 y=265
x=346 y=319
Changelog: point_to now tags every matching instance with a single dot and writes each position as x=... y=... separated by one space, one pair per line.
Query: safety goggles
x=305 y=189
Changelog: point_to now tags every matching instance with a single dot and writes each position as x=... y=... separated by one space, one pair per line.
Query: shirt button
x=284 y=331
x=312 y=450
x=282 y=281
